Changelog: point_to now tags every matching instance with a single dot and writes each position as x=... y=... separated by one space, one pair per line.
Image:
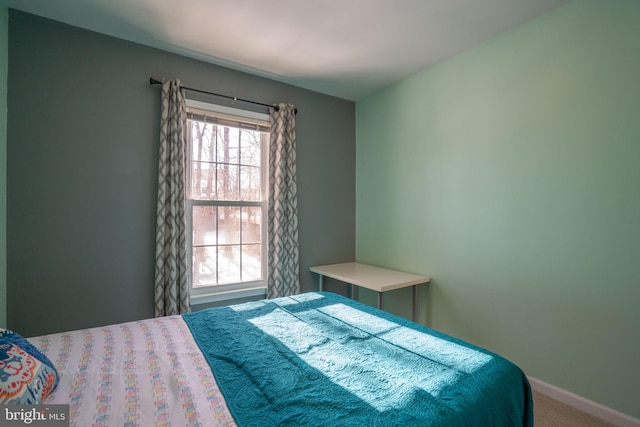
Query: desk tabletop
x=370 y=277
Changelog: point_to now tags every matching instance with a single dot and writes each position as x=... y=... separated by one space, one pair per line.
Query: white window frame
x=258 y=288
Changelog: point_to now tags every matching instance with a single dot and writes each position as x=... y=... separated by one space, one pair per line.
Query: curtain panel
x=171 y=286
x=283 y=206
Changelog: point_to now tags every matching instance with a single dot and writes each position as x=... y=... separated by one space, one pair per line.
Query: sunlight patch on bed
x=296 y=299
x=247 y=306
x=440 y=350
x=370 y=366
x=445 y=352
x=282 y=301
x=359 y=319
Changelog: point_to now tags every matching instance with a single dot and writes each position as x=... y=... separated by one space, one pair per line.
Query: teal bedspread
x=319 y=359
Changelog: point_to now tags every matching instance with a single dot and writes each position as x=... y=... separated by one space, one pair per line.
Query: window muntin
x=227 y=200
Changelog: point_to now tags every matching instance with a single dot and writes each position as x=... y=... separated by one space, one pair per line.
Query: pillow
x=26 y=375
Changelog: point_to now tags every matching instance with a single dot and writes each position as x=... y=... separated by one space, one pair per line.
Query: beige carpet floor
x=552 y=413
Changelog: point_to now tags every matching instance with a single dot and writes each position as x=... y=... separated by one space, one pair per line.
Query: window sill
x=228 y=295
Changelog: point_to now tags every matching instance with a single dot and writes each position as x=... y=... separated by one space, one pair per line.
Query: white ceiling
x=345 y=48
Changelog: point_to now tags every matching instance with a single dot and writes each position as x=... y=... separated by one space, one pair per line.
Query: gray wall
x=3 y=161
x=81 y=172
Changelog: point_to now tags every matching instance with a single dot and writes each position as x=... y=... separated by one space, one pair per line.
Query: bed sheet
x=144 y=373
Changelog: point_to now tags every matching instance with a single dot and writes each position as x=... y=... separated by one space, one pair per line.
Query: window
x=226 y=201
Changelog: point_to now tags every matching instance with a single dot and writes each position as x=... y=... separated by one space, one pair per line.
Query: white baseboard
x=585 y=405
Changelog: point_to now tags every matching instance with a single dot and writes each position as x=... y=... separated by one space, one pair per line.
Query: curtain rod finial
x=153 y=81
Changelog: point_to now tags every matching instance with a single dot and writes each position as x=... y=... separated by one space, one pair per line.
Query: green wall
x=4 y=48
x=511 y=175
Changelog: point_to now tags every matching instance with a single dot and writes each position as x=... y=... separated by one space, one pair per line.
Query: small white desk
x=374 y=278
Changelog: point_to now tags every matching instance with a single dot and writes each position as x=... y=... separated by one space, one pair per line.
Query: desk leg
x=354 y=292
x=415 y=303
x=320 y=284
x=381 y=300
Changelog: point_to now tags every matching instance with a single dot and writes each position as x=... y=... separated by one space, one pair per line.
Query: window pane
x=251 y=224
x=227 y=184
x=204 y=225
x=251 y=263
x=250 y=187
x=227 y=144
x=204 y=266
x=228 y=225
x=202 y=156
x=250 y=148
x=203 y=143
x=234 y=145
x=228 y=264
x=202 y=181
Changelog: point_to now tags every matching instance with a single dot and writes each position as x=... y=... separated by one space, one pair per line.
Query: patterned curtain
x=283 y=205
x=171 y=287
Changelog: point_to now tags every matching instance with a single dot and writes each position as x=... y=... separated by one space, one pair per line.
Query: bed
x=316 y=359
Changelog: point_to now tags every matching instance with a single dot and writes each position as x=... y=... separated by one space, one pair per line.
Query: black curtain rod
x=153 y=81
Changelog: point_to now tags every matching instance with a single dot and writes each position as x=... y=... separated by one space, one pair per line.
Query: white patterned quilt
x=144 y=373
